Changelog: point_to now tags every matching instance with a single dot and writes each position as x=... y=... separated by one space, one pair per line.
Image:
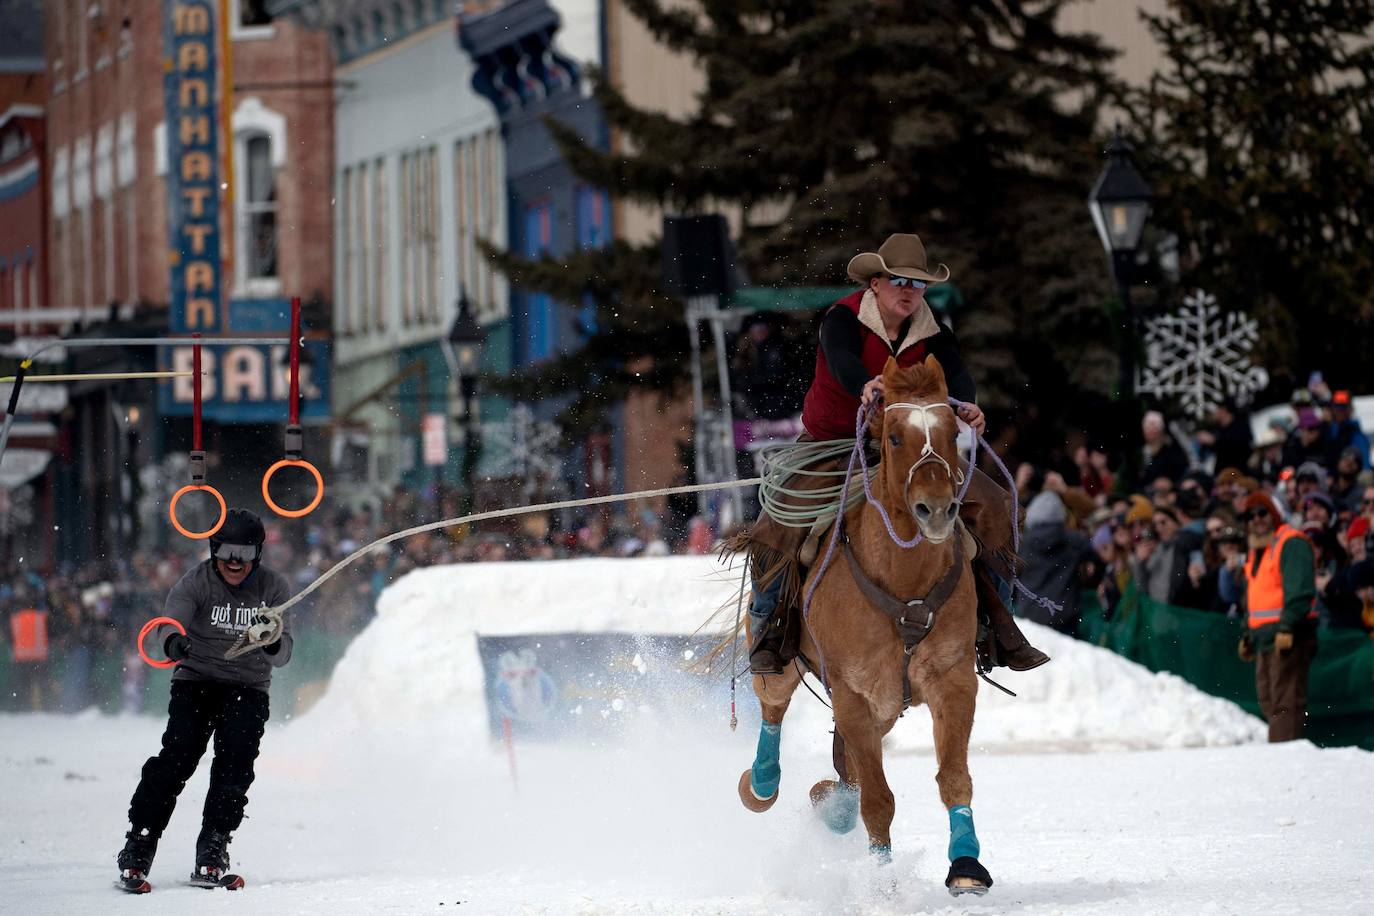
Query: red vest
x=829 y=410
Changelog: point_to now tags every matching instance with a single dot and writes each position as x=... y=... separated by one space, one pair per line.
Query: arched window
x=260 y=152
x=257 y=231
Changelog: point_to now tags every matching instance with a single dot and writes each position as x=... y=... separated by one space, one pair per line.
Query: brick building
x=108 y=248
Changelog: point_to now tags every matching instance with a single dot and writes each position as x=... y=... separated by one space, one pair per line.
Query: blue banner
x=250 y=383
x=192 y=105
x=554 y=686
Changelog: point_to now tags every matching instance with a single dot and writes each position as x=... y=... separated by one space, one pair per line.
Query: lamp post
x=1119 y=203
x=462 y=348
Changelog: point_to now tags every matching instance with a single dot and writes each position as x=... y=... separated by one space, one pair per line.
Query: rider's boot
x=766 y=630
x=1003 y=643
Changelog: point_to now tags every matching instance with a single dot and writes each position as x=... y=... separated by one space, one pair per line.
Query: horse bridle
x=928 y=453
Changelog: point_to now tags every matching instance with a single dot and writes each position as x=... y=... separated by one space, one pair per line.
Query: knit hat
x=1140 y=511
x=1358 y=528
x=1262 y=501
x=1046 y=509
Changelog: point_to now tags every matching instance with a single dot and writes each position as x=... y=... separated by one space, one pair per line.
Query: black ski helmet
x=241 y=526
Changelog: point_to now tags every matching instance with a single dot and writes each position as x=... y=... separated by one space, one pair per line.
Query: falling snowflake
x=1201 y=356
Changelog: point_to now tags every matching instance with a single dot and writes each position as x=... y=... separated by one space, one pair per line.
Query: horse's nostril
x=922 y=510
x=952 y=510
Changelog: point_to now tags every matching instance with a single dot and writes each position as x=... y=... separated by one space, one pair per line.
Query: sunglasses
x=241 y=553
x=1367 y=502
x=901 y=282
x=1255 y=514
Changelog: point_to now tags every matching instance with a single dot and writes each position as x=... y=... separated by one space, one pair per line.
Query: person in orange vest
x=1281 y=616
x=29 y=643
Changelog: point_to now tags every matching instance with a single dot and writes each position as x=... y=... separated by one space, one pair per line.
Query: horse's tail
x=729 y=622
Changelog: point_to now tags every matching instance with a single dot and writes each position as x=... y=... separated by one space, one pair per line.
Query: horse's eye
x=894 y=440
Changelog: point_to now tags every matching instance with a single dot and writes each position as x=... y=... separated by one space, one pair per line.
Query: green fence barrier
x=1200 y=647
x=113 y=680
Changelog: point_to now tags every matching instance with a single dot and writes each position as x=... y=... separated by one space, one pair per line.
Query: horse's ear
x=890 y=371
x=935 y=373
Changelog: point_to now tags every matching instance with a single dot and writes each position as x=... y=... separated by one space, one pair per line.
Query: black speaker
x=698 y=256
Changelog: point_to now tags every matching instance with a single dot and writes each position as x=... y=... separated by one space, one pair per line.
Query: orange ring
x=143 y=634
x=172 y=511
x=297 y=463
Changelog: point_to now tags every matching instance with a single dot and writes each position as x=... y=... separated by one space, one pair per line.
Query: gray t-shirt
x=215 y=615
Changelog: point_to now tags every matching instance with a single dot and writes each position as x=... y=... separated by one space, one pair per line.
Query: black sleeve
x=841 y=343
x=958 y=380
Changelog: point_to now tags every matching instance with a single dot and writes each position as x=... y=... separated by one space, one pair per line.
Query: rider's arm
x=841 y=343
x=958 y=379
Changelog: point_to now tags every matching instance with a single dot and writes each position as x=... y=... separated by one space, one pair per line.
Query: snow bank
x=417 y=663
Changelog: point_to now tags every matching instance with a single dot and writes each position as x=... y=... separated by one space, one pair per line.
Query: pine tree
x=829 y=124
x=1260 y=143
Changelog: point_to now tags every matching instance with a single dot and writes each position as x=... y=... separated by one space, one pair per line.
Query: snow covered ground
x=1102 y=789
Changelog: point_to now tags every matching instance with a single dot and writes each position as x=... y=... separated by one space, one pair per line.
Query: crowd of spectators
x=1170 y=524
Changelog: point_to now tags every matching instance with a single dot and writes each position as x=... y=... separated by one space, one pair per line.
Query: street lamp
x=462 y=348
x=1119 y=203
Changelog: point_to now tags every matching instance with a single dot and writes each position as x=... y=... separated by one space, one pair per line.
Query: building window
x=346 y=235
x=380 y=248
x=256 y=229
x=250 y=19
x=430 y=238
x=253 y=12
x=407 y=236
x=540 y=315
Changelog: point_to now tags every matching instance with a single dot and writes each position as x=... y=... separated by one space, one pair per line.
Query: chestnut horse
x=869 y=659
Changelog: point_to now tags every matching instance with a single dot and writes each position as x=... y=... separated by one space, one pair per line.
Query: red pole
x=195 y=397
x=294 y=408
x=510 y=750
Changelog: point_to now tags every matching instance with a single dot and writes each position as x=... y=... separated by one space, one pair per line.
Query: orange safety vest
x=29 y=630
x=1264 y=589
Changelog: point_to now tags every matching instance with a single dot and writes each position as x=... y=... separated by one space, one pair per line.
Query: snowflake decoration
x=1201 y=356
x=523 y=447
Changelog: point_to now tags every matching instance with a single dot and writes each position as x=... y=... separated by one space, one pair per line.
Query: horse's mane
x=920 y=382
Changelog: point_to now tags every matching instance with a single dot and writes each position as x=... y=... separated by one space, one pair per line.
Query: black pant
x=236 y=716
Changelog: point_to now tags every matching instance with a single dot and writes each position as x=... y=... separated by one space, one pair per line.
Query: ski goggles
x=901 y=282
x=240 y=553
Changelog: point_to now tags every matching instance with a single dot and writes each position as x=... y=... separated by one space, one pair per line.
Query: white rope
x=246 y=645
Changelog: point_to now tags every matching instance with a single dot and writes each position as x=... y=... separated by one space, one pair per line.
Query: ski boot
x=135 y=860
x=212 y=861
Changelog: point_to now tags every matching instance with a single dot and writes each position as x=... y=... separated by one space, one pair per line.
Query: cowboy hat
x=902 y=255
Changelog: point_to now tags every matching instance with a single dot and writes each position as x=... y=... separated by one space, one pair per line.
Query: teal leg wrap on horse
x=963 y=841
x=881 y=854
x=767 y=771
x=840 y=810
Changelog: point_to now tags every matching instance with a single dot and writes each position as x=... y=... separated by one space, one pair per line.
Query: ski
x=133 y=883
x=228 y=881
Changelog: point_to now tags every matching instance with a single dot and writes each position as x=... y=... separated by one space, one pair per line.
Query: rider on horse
x=887 y=318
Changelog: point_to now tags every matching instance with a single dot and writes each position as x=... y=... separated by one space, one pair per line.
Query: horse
x=891 y=625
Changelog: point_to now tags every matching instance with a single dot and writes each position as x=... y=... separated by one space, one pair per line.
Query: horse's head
x=917 y=430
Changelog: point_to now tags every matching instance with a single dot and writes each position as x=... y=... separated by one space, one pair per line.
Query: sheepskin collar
x=923 y=323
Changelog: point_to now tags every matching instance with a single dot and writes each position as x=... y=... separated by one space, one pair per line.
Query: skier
x=216 y=601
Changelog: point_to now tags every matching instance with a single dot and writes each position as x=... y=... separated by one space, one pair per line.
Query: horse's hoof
x=836 y=804
x=968 y=876
x=752 y=801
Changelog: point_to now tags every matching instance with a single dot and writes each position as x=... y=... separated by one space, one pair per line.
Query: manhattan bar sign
x=192 y=165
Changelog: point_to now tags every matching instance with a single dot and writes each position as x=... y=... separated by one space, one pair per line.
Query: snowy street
x=1094 y=793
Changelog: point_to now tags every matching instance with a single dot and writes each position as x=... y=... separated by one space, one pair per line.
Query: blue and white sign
x=192 y=105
